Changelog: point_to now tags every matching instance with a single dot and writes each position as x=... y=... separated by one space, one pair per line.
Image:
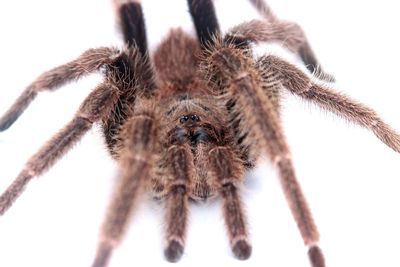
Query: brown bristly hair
x=189 y=120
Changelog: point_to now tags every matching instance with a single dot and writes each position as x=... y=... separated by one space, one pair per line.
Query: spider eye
x=189 y=118
x=183 y=119
x=194 y=118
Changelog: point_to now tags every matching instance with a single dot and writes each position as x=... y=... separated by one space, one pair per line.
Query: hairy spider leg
x=131 y=23
x=228 y=172
x=133 y=70
x=136 y=160
x=246 y=86
x=304 y=49
x=299 y=83
x=205 y=20
x=89 y=62
x=181 y=169
x=264 y=9
x=95 y=107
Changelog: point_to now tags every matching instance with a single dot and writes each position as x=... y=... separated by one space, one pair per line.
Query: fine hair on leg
x=243 y=84
x=131 y=23
x=299 y=83
x=264 y=9
x=95 y=107
x=289 y=33
x=90 y=61
x=205 y=20
x=181 y=170
x=136 y=162
x=227 y=171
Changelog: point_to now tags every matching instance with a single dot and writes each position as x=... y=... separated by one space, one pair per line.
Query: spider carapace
x=188 y=120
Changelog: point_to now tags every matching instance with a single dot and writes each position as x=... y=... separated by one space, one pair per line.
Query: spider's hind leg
x=290 y=34
x=131 y=22
x=205 y=20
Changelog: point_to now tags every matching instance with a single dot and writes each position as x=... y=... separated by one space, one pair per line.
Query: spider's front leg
x=227 y=172
x=96 y=106
x=180 y=172
x=136 y=160
x=239 y=79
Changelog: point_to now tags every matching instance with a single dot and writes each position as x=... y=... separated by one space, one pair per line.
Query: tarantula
x=188 y=121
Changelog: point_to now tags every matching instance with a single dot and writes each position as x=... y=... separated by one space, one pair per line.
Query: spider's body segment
x=187 y=121
x=192 y=117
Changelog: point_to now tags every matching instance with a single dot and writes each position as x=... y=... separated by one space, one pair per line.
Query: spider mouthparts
x=242 y=250
x=174 y=251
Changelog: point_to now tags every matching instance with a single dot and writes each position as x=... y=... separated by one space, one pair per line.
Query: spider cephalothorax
x=188 y=120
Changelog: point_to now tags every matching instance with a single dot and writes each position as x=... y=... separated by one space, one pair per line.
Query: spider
x=190 y=120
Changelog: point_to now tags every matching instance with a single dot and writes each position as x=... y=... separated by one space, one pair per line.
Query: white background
x=351 y=179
